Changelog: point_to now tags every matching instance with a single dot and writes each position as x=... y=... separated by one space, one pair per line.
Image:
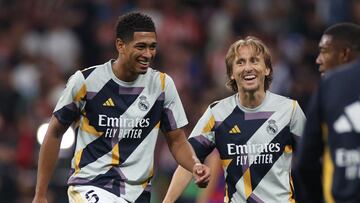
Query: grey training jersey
x=255 y=146
x=118 y=123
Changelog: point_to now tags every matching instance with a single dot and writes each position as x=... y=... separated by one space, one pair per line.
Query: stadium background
x=42 y=42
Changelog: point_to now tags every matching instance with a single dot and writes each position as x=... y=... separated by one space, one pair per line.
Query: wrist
x=196 y=160
x=40 y=192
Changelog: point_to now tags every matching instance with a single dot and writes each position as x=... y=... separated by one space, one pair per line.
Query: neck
x=122 y=72
x=251 y=99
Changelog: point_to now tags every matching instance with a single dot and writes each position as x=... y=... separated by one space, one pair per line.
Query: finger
x=199 y=168
x=201 y=179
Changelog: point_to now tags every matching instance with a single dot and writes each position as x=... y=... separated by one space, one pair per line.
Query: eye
x=152 y=47
x=240 y=62
x=254 y=60
x=323 y=50
x=140 y=46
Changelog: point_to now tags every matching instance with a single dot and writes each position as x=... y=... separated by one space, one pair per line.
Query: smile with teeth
x=249 y=77
x=145 y=63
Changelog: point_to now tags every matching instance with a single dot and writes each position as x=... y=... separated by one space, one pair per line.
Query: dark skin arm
x=48 y=156
x=186 y=157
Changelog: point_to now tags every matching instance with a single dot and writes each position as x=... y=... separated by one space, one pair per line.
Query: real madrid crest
x=143 y=104
x=272 y=128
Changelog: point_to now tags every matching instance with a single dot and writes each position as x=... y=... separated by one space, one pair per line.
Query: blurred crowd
x=43 y=42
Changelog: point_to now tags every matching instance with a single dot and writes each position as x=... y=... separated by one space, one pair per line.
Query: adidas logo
x=235 y=130
x=349 y=120
x=109 y=102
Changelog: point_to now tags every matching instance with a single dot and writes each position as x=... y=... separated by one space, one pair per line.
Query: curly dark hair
x=132 y=22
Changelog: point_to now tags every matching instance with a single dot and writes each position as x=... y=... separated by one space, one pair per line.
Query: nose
x=248 y=67
x=318 y=60
x=148 y=53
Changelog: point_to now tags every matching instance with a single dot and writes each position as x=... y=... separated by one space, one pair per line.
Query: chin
x=142 y=72
x=251 y=89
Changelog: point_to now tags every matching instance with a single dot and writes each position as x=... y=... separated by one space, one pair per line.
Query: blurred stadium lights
x=67 y=139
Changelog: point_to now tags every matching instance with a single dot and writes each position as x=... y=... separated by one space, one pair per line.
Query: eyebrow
x=144 y=43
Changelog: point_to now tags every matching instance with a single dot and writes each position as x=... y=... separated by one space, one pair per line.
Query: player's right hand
x=201 y=174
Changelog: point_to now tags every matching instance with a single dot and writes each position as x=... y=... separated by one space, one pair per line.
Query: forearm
x=213 y=161
x=47 y=160
x=179 y=182
x=184 y=154
x=185 y=157
x=48 y=155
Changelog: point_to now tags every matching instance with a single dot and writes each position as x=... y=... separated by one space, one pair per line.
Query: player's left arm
x=297 y=125
x=298 y=120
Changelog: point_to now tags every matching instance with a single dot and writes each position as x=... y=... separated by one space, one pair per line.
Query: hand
x=201 y=174
x=38 y=199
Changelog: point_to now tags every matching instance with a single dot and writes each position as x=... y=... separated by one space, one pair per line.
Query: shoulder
x=160 y=78
x=281 y=101
x=224 y=103
x=84 y=73
x=87 y=71
x=159 y=75
x=343 y=74
x=279 y=98
x=76 y=78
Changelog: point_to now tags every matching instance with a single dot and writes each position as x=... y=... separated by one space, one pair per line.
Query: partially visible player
x=254 y=130
x=328 y=159
x=339 y=44
x=119 y=106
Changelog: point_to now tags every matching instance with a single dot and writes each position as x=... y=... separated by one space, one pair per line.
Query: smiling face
x=137 y=54
x=249 y=70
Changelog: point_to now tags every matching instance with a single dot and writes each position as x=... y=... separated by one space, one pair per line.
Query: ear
x=267 y=71
x=120 y=45
x=345 y=55
x=232 y=77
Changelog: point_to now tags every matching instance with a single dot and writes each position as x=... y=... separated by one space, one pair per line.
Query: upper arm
x=173 y=115
x=56 y=128
x=298 y=120
x=175 y=136
x=202 y=138
x=72 y=99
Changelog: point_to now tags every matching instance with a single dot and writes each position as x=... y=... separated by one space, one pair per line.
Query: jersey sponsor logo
x=253 y=153
x=272 y=128
x=350 y=160
x=235 y=130
x=123 y=127
x=349 y=120
x=143 y=104
x=109 y=102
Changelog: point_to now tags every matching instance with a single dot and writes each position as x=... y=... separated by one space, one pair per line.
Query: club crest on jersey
x=272 y=128
x=143 y=104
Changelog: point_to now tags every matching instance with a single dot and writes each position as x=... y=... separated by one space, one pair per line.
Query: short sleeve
x=71 y=102
x=173 y=115
x=298 y=120
x=202 y=138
